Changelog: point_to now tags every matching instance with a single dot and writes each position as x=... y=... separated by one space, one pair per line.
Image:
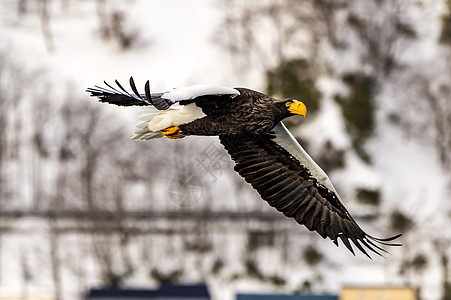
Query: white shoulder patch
x=193 y=91
x=286 y=140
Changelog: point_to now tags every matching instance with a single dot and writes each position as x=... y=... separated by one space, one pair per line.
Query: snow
x=175 y=51
x=329 y=125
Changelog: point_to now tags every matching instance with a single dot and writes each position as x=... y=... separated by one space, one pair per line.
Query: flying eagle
x=249 y=126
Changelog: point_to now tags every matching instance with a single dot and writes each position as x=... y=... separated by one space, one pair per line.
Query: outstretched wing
x=122 y=97
x=288 y=181
x=161 y=101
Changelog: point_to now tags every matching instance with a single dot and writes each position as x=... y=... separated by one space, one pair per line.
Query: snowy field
x=62 y=257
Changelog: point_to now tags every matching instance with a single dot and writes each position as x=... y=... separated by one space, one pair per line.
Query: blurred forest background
x=82 y=206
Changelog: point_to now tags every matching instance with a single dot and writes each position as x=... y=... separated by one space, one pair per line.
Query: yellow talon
x=170 y=130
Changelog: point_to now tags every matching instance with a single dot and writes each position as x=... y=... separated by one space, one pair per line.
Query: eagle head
x=294 y=107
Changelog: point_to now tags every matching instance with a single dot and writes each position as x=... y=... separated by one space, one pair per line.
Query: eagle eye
x=287 y=104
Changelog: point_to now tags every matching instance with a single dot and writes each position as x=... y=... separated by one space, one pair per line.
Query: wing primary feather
x=364 y=242
x=157 y=102
x=102 y=89
x=122 y=88
x=357 y=244
x=147 y=91
x=322 y=228
x=333 y=227
x=134 y=89
x=368 y=241
x=386 y=240
x=115 y=90
x=346 y=242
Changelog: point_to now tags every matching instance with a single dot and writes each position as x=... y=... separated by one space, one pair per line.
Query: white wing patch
x=286 y=140
x=193 y=91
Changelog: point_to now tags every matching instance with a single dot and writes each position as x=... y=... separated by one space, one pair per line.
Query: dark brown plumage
x=250 y=111
x=288 y=186
x=249 y=126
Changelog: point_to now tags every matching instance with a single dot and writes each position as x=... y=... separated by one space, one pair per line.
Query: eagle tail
x=142 y=131
x=120 y=96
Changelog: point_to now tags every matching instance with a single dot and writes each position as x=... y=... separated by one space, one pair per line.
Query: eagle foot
x=175 y=136
x=172 y=132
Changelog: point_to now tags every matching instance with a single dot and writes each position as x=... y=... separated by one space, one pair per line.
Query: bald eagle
x=249 y=126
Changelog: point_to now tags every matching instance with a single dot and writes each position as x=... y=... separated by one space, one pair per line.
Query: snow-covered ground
x=176 y=48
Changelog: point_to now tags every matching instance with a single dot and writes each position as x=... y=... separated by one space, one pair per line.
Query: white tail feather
x=175 y=116
x=142 y=131
x=150 y=121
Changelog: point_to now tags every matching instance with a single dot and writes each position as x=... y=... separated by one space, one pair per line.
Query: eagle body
x=248 y=112
x=249 y=126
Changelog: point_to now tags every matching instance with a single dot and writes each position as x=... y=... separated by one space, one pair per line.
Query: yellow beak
x=298 y=108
